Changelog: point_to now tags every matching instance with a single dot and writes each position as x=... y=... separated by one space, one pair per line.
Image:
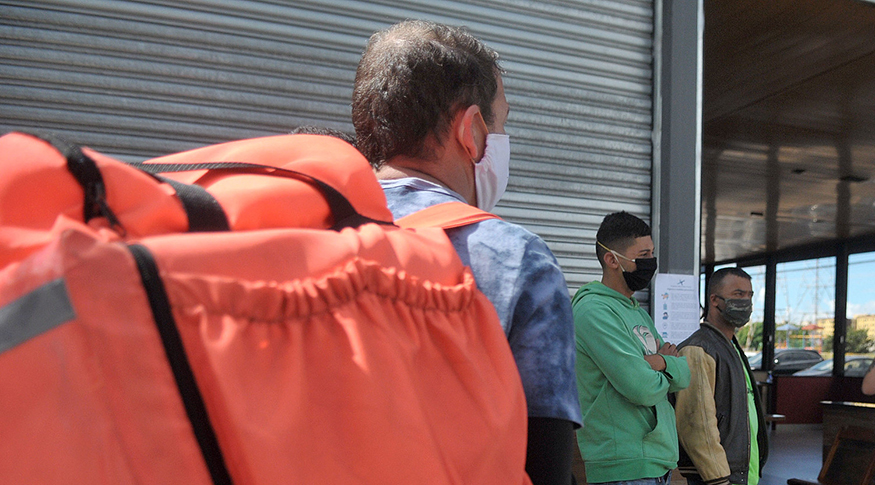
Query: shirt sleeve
x=678 y=371
x=604 y=337
x=541 y=335
x=696 y=415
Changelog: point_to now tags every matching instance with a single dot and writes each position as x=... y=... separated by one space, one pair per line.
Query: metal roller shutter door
x=140 y=79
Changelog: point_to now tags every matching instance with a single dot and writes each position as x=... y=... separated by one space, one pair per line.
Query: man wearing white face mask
x=429 y=112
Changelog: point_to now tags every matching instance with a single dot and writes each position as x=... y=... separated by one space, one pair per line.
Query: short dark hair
x=323 y=130
x=618 y=231
x=715 y=283
x=411 y=80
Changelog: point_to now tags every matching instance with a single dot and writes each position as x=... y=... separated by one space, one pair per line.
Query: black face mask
x=645 y=268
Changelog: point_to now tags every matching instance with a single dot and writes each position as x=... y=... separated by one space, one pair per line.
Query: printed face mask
x=736 y=311
x=492 y=171
x=645 y=268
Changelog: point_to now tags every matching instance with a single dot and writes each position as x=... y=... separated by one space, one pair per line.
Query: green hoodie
x=628 y=428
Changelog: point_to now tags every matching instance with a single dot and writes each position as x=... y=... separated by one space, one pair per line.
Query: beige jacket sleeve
x=697 y=417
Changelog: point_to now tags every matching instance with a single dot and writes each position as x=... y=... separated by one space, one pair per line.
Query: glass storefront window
x=805 y=306
x=860 y=341
x=750 y=336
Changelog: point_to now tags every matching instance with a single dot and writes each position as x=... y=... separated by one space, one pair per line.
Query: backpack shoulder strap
x=447 y=215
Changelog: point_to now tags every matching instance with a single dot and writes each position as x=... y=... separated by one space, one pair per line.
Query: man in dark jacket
x=720 y=412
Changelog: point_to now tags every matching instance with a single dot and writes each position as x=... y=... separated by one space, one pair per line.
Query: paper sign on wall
x=676 y=308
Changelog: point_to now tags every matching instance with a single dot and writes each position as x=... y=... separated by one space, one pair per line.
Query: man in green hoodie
x=624 y=369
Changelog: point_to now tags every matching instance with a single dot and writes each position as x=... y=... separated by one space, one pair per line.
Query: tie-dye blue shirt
x=516 y=270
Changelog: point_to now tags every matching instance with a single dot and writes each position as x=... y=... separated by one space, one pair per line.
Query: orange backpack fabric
x=134 y=351
x=447 y=215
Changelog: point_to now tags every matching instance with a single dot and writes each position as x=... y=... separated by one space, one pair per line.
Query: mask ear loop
x=618 y=256
x=722 y=310
x=485 y=128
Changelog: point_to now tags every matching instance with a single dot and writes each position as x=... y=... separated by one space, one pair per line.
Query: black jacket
x=730 y=405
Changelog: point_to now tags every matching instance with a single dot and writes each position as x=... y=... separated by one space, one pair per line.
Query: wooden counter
x=837 y=414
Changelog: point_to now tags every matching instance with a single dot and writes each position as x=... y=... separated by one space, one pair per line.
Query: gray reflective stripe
x=34 y=313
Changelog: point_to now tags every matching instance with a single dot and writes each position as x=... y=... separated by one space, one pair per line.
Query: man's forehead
x=734 y=283
x=642 y=243
x=639 y=245
x=500 y=108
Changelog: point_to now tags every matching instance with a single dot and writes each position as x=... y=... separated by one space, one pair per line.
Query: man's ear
x=468 y=132
x=610 y=260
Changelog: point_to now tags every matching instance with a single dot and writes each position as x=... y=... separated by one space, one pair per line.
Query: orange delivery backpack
x=240 y=313
x=446 y=215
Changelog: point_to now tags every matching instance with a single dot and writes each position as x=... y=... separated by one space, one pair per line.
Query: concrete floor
x=795 y=451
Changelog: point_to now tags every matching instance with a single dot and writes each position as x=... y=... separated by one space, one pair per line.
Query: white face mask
x=492 y=171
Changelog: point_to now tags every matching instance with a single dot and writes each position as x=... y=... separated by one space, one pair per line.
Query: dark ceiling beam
x=815 y=250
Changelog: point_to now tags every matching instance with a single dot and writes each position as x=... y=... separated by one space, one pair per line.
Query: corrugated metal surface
x=139 y=79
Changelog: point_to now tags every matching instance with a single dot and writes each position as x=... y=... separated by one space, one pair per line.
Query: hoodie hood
x=599 y=288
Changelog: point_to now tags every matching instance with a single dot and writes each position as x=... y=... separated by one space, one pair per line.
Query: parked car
x=855 y=366
x=788 y=361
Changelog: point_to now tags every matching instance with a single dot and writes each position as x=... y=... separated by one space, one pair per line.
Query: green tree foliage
x=857 y=342
x=750 y=336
